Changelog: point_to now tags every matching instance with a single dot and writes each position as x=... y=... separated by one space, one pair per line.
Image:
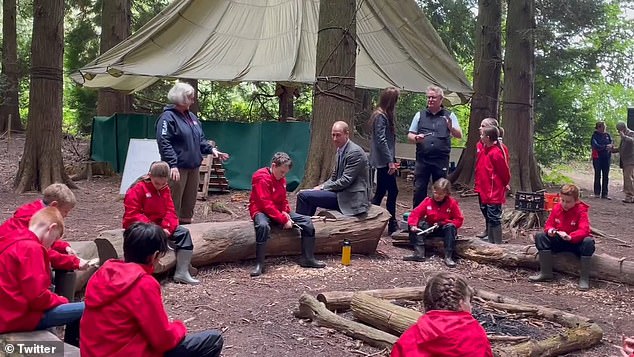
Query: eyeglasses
x=433 y=97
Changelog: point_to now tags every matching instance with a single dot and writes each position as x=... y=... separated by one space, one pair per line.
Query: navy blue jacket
x=180 y=139
x=599 y=143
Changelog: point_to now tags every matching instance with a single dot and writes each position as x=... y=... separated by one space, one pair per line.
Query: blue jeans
x=61 y=315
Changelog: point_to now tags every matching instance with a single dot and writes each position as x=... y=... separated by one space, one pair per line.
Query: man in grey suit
x=348 y=189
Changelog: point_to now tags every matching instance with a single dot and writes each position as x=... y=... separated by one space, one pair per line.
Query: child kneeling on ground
x=447 y=328
x=567 y=229
x=441 y=210
x=124 y=309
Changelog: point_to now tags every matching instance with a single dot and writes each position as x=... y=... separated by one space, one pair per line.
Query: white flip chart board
x=141 y=153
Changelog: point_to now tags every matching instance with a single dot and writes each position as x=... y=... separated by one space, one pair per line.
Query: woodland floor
x=255 y=315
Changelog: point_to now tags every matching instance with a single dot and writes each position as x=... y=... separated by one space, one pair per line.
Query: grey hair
x=620 y=126
x=281 y=159
x=180 y=92
x=437 y=90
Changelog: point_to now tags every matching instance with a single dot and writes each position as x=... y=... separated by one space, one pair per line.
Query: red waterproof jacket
x=57 y=255
x=433 y=212
x=268 y=196
x=492 y=175
x=124 y=314
x=574 y=221
x=442 y=333
x=144 y=203
x=25 y=277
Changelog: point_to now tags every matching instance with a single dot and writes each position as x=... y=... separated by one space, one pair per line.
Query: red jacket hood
x=113 y=280
x=438 y=324
x=8 y=237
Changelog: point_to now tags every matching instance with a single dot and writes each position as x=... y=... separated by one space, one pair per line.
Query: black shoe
x=606 y=197
x=449 y=262
x=392 y=226
x=414 y=258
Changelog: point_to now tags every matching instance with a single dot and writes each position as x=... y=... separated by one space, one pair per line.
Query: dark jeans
x=262 y=224
x=601 y=173
x=448 y=232
x=386 y=183
x=201 y=344
x=492 y=214
x=483 y=209
x=556 y=245
x=181 y=239
x=308 y=201
x=422 y=173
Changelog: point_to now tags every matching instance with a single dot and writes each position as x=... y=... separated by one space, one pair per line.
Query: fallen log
x=220 y=242
x=382 y=314
x=310 y=308
x=340 y=300
x=604 y=267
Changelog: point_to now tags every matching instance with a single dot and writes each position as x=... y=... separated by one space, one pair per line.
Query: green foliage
x=556 y=177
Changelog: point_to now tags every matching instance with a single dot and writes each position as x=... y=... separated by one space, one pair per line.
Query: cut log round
x=382 y=314
x=220 y=242
x=310 y=308
x=340 y=300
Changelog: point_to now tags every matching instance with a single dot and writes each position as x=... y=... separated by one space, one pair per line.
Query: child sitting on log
x=440 y=210
x=25 y=277
x=150 y=200
x=124 y=313
x=62 y=257
x=268 y=204
x=567 y=229
x=447 y=328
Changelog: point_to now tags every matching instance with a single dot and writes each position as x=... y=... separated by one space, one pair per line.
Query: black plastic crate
x=529 y=201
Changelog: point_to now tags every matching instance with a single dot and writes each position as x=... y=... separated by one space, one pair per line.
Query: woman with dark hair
x=383 y=152
x=602 y=146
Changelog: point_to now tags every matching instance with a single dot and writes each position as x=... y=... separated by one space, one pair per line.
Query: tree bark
x=115 y=27
x=310 y=308
x=382 y=314
x=334 y=90
x=286 y=96
x=195 y=107
x=340 y=300
x=41 y=163
x=519 y=80
x=486 y=83
x=219 y=242
x=9 y=108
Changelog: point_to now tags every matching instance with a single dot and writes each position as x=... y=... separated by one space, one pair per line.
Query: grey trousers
x=184 y=193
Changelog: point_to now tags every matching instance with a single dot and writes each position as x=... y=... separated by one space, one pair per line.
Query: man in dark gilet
x=432 y=130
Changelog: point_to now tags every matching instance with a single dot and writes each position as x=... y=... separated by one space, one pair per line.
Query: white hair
x=436 y=90
x=180 y=93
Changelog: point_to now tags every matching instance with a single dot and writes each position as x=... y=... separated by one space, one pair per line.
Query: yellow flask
x=346 y=252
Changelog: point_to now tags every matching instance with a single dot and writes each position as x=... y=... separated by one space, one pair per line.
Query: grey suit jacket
x=350 y=180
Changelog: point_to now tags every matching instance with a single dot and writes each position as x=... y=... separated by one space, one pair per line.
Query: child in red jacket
x=150 y=200
x=447 y=328
x=268 y=204
x=441 y=210
x=25 y=277
x=567 y=229
x=627 y=350
x=492 y=176
x=61 y=255
x=124 y=313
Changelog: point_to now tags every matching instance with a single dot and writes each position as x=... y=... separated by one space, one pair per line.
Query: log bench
x=43 y=337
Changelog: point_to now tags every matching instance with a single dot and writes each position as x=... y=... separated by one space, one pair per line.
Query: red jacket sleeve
x=264 y=202
x=170 y=221
x=456 y=214
x=35 y=280
x=417 y=214
x=62 y=261
x=160 y=333
x=133 y=205
x=583 y=228
x=501 y=168
x=60 y=246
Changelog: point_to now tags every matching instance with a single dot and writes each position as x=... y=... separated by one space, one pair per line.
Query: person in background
x=150 y=200
x=447 y=327
x=627 y=350
x=567 y=229
x=383 y=152
x=124 y=313
x=268 y=204
x=602 y=146
x=442 y=210
x=182 y=144
x=492 y=177
x=626 y=153
x=25 y=278
x=431 y=130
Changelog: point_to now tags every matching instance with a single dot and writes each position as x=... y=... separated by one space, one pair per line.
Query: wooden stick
x=341 y=300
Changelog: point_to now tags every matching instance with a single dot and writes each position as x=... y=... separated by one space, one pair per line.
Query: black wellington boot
x=260 y=252
x=308 y=254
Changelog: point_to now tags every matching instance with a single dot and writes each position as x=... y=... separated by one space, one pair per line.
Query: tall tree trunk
x=486 y=82
x=519 y=80
x=115 y=27
x=41 y=163
x=194 y=108
x=10 y=76
x=334 y=90
x=286 y=96
x=363 y=109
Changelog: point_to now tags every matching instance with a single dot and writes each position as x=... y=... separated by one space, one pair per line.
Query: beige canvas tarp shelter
x=275 y=40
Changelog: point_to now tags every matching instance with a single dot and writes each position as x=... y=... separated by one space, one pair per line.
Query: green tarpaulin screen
x=251 y=146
